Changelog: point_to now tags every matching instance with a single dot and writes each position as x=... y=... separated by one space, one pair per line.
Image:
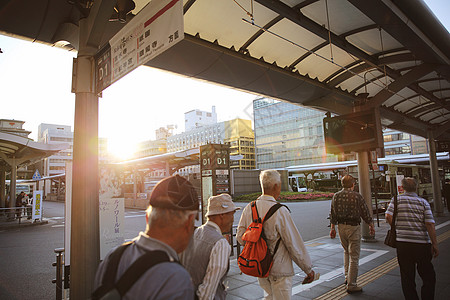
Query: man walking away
x=278 y=285
x=207 y=257
x=347 y=209
x=416 y=240
x=170 y=224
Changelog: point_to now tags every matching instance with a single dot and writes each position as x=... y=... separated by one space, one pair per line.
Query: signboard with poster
x=37 y=205
x=156 y=28
x=399 y=179
x=215 y=170
x=111 y=210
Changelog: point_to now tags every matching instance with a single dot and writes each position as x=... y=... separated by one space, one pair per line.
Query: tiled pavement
x=379 y=274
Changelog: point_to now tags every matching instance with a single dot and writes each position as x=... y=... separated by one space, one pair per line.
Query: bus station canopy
x=24 y=150
x=329 y=55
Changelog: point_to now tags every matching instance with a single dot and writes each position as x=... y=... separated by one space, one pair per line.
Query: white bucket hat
x=220 y=204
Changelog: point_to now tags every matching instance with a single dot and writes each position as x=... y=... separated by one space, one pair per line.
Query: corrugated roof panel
x=273 y=48
x=338 y=15
x=222 y=20
x=370 y=41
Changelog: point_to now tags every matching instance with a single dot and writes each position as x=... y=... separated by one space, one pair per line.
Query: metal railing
x=15 y=213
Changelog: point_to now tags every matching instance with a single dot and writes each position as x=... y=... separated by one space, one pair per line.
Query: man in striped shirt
x=416 y=240
x=207 y=257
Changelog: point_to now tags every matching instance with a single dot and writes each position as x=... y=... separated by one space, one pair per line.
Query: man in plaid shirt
x=347 y=209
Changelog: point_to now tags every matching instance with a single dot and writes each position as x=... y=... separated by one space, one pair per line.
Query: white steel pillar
x=365 y=190
x=85 y=239
x=437 y=197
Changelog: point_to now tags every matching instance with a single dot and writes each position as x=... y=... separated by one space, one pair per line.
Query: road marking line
x=442 y=225
x=372 y=275
x=58 y=226
x=337 y=272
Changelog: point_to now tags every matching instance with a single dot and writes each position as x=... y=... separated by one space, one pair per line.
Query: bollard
x=58 y=264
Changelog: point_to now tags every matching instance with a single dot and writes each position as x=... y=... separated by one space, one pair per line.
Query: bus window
x=424 y=175
x=407 y=172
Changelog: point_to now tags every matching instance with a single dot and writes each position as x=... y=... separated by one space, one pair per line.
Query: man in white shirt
x=278 y=285
x=207 y=256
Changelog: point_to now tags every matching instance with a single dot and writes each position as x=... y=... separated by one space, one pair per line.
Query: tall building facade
x=56 y=134
x=241 y=138
x=13 y=127
x=237 y=132
x=198 y=118
x=287 y=134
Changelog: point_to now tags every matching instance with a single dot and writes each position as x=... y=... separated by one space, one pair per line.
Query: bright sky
x=35 y=85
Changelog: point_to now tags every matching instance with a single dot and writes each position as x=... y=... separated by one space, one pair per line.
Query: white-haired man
x=207 y=257
x=278 y=285
x=170 y=224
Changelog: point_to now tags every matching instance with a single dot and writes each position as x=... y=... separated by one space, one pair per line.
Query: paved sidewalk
x=379 y=274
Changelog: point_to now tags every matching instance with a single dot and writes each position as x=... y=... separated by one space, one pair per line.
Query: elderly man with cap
x=208 y=255
x=170 y=224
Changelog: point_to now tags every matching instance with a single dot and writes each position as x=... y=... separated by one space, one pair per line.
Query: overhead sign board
x=156 y=28
x=443 y=146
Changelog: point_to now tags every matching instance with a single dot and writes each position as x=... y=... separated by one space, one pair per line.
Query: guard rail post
x=59 y=274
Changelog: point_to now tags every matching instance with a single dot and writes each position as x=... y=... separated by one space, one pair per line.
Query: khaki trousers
x=276 y=288
x=350 y=237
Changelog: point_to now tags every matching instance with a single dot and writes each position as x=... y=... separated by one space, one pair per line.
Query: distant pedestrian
x=416 y=240
x=170 y=224
x=347 y=209
x=446 y=192
x=19 y=203
x=278 y=285
x=207 y=257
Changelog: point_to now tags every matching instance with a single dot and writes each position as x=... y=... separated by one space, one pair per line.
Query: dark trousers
x=410 y=255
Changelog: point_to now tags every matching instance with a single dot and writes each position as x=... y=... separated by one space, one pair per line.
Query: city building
x=237 y=132
x=56 y=134
x=150 y=148
x=15 y=127
x=198 y=118
x=289 y=135
x=241 y=138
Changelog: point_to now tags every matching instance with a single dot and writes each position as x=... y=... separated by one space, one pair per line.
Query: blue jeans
x=410 y=256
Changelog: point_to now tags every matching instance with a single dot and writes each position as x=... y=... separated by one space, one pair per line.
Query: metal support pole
x=59 y=272
x=437 y=197
x=85 y=238
x=364 y=190
x=2 y=188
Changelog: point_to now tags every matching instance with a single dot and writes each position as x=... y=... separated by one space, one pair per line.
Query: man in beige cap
x=208 y=255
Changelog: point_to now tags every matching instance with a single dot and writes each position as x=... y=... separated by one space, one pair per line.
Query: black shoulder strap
x=131 y=275
x=395 y=211
x=273 y=209
x=110 y=272
x=138 y=268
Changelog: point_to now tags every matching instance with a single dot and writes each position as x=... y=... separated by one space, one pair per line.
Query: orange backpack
x=255 y=258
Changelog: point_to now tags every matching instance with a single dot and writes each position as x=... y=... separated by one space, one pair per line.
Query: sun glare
x=121 y=149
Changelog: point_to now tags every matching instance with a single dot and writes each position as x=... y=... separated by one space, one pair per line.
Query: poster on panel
x=111 y=209
x=37 y=205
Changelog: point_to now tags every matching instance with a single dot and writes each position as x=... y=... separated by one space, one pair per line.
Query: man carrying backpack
x=170 y=224
x=280 y=226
